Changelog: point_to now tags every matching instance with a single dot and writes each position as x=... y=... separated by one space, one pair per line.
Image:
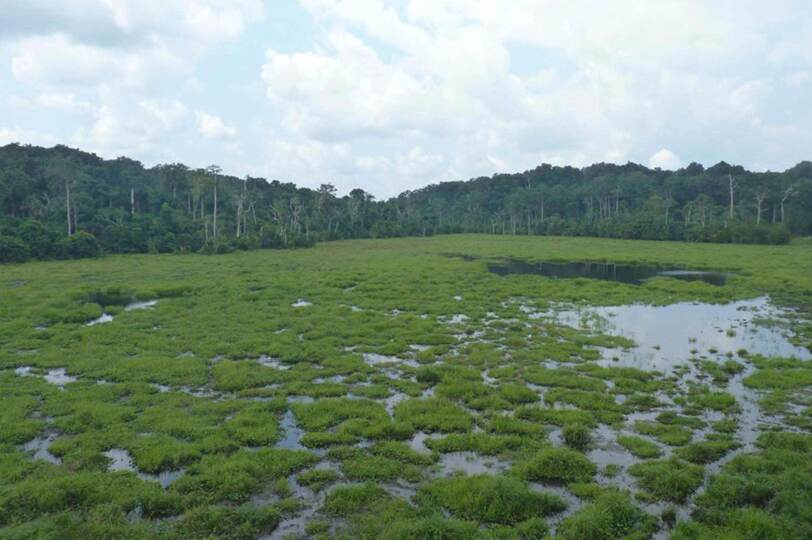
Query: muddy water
x=149 y=304
x=57 y=377
x=120 y=460
x=291 y=433
x=39 y=447
x=104 y=318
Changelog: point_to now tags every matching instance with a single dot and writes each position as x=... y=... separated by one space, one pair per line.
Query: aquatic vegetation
x=416 y=396
x=705 y=452
x=243 y=522
x=673 y=435
x=639 y=447
x=490 y=499
x=577 y=436
x=558 y=465
x=610 y=516
x=317 y=479
x=670 y=480
x=761 y=495
x=345 y=500
x=481 y=443
x=433 y=414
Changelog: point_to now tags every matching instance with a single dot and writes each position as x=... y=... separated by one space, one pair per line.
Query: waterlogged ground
x=384 y=389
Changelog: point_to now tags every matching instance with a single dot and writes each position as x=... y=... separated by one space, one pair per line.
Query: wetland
x=384 y=389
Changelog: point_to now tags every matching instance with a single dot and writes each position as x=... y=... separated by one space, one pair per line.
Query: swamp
x=451 y=387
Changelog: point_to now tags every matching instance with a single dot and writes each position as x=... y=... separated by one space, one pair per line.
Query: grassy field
x=393 y=389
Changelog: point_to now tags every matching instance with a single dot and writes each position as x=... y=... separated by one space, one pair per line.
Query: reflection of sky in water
x=677 y=329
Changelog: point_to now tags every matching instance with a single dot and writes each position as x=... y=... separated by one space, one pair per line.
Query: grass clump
x=577 y=436
x=668 y=480
x=234 y=478
x=702 y=453
x=433 y=414
x=558 y=465
x=481 y=443
x=610 y=516
x=327 y=413
x=317 y=479
x=665 y=433
x=346 y=500
x=639 y=446
x=232 y=523
x=517 y=393
x=490 y=499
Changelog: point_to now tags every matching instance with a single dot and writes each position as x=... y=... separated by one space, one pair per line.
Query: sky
x=395 y=95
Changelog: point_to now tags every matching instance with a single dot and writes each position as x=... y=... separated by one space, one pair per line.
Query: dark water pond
x=633 y=274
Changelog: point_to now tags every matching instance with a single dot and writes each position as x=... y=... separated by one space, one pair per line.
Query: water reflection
x=633 y=274
x=669 y=335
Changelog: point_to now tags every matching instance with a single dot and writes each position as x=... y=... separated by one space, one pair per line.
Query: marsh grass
x=223 y=368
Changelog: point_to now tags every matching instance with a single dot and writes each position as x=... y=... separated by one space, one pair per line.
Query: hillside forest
x=65 y=203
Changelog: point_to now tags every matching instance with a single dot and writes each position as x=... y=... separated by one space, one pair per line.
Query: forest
x=65 y=203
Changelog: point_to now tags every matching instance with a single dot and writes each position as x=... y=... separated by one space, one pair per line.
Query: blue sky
x=395 y=95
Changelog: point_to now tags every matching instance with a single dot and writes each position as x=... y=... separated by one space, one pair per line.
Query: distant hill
x=61 y=202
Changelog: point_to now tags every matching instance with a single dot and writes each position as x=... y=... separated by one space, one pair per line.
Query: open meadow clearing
x=452 y=387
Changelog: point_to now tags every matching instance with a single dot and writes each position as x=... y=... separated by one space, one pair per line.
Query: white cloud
x=213 y=127
x=665 y=159
x=590 y=85
x=121 y=127
x=798 y=78
x=118 y=62
x=25 y=136
x=395 y=95
x=63 y=101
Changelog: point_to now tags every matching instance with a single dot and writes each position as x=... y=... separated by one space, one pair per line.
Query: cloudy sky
x=390 y=95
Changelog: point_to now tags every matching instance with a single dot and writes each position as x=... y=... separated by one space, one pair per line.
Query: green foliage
x=670 y=480
x=490 y=499
x=706 y=452
x=123 y=207
x=577 y=436
x=433 y=414
x=345 y=500
x=219 y=385
x=672 y=435
x=241 y=523
x=233 y=478
x=611 y=516
x=639 y=447
x=12 y=249
x=558 y=465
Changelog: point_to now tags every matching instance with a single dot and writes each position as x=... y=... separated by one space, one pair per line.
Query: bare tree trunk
x=759 y=207
x=239 y=216
x=732 y=185
x=786 y=195
x=214 y=219
x=132 y=201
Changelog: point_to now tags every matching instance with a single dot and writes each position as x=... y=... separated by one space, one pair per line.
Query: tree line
x=64 y=203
